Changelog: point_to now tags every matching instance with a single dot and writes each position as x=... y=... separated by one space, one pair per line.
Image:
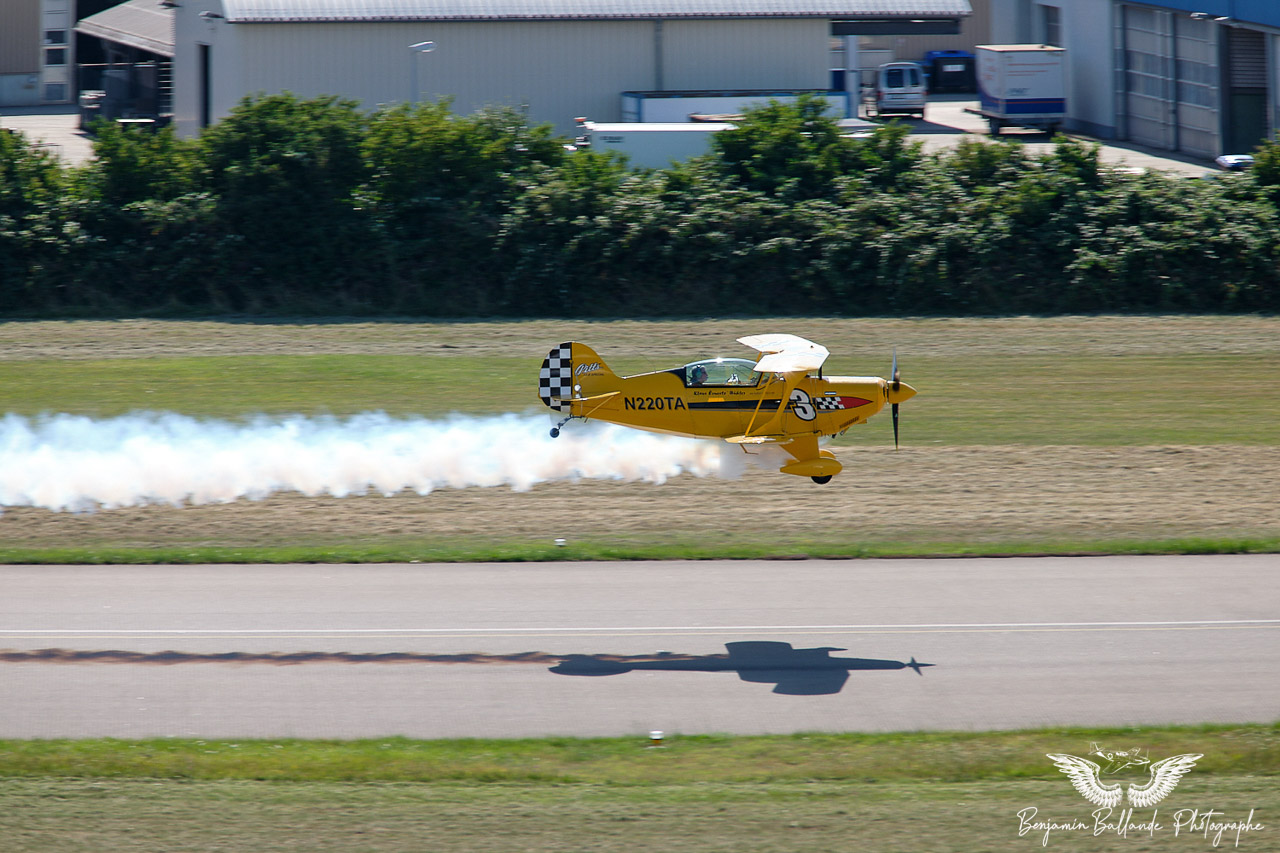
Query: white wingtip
x=786 y=353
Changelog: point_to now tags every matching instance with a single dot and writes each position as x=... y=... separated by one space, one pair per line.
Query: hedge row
x=311 y=206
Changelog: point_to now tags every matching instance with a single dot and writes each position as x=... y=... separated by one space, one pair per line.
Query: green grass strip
x=574 y=551
x=947 y=756
x=1021 y=398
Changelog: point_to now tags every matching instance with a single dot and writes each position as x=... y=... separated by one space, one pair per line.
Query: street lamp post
x=414 y=50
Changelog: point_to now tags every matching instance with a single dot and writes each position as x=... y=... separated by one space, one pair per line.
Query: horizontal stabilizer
x=786 y=353
x=595 y=398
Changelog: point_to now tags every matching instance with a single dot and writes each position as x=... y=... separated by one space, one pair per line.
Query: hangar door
x=1247 y=90
x=1171 y=77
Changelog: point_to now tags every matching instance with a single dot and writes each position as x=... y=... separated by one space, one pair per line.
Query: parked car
x=900 y=89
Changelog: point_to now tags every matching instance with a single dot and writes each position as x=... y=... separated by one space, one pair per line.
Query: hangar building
x=1201 y=77
x=560 y=58
x=37 y=52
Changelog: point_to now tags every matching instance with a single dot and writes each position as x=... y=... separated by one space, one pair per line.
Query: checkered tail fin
x=572 y=369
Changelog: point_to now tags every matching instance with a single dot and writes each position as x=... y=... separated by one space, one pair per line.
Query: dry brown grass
x=632 y=339
x=921 y=494
x=146 y=816
x=968 y=494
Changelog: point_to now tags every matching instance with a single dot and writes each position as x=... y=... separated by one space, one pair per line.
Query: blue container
x=951 y=71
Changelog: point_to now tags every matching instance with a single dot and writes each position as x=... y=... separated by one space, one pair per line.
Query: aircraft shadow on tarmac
x=793 y=672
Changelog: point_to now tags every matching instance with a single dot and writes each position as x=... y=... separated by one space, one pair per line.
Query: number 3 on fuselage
x=776 y=399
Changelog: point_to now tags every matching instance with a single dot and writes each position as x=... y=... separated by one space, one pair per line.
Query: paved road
x=574 y=648
x=56 y=129
x=947 y=122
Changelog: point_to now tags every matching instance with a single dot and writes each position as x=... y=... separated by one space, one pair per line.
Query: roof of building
x=143 y=24
x=281 y=11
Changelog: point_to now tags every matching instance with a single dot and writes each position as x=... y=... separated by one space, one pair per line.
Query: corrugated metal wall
x=1171 y=94
x=746 y=54
x=560 y=69
x=1248 y=52
x=1147 y=38
x=1247 y=123
x=974 y=30
x=19 y=36
x=1196 y=75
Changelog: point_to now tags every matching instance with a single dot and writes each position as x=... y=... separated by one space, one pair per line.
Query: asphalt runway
x=507 y=650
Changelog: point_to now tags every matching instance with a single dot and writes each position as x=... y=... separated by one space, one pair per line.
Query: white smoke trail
x=66 y=462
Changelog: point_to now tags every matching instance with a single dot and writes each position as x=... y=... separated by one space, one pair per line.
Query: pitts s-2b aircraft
x=776 y=399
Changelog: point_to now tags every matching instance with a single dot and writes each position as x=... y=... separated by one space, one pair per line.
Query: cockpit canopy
x=721 y=372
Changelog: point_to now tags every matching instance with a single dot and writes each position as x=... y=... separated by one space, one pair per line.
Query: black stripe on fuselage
x=735 y=405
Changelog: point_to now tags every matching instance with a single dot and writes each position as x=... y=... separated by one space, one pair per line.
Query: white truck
x=1021 y=85
x=650 y=145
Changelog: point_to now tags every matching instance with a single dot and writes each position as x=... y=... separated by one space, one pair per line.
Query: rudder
x=555 y=379
x=569 y=364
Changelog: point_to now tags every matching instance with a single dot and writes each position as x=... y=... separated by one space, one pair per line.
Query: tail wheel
x=823 y=480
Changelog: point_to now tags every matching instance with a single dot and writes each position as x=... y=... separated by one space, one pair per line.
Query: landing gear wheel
x=823 y=480
x=555 y=432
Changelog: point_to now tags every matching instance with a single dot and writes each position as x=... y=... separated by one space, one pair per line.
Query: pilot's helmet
x=699 y=374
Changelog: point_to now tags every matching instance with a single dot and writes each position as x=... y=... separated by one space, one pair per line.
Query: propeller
x=896 y=385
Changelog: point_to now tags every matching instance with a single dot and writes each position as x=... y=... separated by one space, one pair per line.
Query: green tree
x=1266 y=164
x=421 y=156
x=286 y=173
x=29 y=176
x=439 y=185
x=556 y=242
x=131 y=164
x=32 y=236
x=789 y=150
x=978 y=164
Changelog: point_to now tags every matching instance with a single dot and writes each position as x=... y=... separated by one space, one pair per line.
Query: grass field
x=1104 y=434
x=1069 y=435
x=1107 y=381
x=943 y=792
x=983 y=400
x=74 y=816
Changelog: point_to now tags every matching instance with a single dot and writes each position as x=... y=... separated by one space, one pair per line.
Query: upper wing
x=786 y=353
x=1164 y=778
x=1084 y=777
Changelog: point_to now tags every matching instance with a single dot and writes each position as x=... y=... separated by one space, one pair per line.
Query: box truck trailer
x=1021 y=85
x=656 y=145
x=650 y=145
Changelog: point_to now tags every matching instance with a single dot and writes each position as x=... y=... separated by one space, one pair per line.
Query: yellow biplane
x=780 y=399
